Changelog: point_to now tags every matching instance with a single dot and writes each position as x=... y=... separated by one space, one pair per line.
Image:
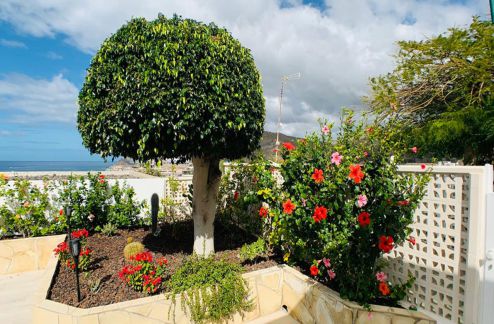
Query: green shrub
x=211 y=290
x=95 y=203
x=109 y=229
x=25 y=209
x=253 y=251
x=343 y=205
x=239 y=201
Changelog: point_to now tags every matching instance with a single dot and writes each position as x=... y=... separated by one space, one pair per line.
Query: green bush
x=343 y=205
x=95 y=203
x=253 y=251
x=109 y=229
x=239 y=198
x=211 y=290
x=25 y=209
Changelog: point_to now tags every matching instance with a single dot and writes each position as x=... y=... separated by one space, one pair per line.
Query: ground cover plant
x=211 y=290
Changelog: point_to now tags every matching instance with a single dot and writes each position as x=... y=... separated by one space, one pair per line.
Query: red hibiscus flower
x=320 y=213
x=412 y=240
x=318 y=176
x=386 y=243
x=356 y=173
x=60 y=212
x=263 y=212
x=403 y=203
x=384 y=288
x=364 y=219
x=288 y=207
x=314 y=271
x=288 y=146
x=423 y=166
x=414 y=149
x=235 y=195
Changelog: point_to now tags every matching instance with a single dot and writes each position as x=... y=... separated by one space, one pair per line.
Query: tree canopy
x=171 y=88
x=442 y=90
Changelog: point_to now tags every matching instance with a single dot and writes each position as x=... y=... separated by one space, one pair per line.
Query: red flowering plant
x=65 y=257
x=144 y=274
x=343 y=199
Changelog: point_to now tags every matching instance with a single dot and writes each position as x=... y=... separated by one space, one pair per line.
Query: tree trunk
x=205 y=183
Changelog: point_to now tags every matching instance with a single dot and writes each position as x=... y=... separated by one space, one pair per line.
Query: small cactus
x=130 y=239
x=132 y=249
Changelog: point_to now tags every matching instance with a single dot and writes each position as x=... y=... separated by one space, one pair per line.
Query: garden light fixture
x=75 y=249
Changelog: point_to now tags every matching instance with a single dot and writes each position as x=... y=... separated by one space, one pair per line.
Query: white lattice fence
x=449 y=231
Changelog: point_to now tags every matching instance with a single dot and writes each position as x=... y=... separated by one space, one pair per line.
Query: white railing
x=448 y=260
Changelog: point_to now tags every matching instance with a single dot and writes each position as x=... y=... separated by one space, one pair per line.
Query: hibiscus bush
x=343 y=205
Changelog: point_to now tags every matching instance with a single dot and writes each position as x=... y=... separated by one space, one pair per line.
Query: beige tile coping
x=306 y=300
x=28 y=254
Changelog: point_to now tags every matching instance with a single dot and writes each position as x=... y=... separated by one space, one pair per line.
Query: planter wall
x=30 y=254
x=306 y=300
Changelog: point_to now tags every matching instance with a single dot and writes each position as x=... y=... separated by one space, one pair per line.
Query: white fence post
x=486 y=307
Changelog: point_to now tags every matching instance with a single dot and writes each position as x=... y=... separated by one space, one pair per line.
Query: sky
x=336 y=45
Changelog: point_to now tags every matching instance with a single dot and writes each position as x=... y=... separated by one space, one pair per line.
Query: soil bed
x=174 y=243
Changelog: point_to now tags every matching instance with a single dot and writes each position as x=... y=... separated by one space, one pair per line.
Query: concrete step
x=279 y=317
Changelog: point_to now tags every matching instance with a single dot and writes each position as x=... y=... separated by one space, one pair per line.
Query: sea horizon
x=26 y=166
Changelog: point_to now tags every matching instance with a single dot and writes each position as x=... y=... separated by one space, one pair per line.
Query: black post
x=155 y=201
x=75 y=248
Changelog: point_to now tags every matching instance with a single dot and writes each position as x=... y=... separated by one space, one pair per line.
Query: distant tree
x=174 y=88
x=442 y=90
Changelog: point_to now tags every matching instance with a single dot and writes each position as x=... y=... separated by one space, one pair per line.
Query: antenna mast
x=284 y=79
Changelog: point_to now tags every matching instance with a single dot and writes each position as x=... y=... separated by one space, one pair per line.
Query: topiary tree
x=174 y=89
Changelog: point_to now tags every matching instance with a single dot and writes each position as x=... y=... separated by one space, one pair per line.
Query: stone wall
x=272 y=289
x=30 y=254
x=311 y=302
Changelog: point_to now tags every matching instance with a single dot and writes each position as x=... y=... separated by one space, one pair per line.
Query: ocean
x=22 y=166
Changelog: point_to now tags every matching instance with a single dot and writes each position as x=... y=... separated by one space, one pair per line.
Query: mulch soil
x=101 y=284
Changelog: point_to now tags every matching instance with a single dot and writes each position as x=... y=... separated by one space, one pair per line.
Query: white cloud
x=336 y=50
x=12 y=43
x=29 y=100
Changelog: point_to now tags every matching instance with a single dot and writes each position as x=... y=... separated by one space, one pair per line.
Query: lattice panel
x=179 y=196
x=438 y=260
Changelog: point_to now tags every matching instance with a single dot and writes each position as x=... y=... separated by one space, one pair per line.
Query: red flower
x=318 y=176
x=263 y=212
x=364 y=219
x=101 y=179
x=235 y=195
x=314 y=271
x=85 y=252
x=162 y=261
x=423 y=166
x=60 y=211
x=101 y=176
x=80 y=233
x=411 y=239
x=369 y=130
x=386 y=243
x=288 y=207
x=61 y=248
x=384 y=288
x=320 y=213
x=403 y=203
x=414 y=149
x=356 y=173
x=288 y=146
x=143 y=256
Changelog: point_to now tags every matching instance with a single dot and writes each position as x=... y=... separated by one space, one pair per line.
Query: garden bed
x=102 y=286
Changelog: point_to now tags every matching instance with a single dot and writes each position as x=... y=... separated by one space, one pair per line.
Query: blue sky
x=337 y=45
